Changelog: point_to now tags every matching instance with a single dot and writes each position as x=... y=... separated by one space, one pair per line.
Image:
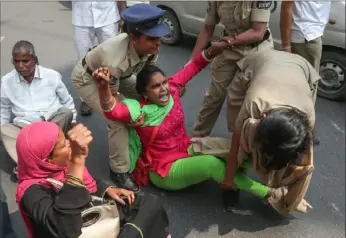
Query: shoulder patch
x=264 y=4
x=208 y=6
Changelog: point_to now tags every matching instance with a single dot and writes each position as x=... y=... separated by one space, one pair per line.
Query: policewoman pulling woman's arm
x=246 y=30
x=124 y=56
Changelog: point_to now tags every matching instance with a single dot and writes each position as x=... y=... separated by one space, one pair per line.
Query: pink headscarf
x=34 y=144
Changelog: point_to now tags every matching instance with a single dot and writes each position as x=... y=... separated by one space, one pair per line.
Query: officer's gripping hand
x=101 y=77
x=216 y=48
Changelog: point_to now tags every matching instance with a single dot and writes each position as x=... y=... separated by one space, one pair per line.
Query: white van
x=187 y=18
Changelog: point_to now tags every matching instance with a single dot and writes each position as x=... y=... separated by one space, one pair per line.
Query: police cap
x=146 y=19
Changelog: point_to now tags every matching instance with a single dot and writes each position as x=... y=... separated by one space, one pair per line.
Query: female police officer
x=271 y=116
x=246 y=30
x=123 y=55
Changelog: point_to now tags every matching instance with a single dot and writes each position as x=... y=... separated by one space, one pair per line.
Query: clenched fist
x=101 y=77
x=80 y=139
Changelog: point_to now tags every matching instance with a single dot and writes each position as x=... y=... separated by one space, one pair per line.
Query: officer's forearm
x=107 y=101
x=285 y=23
x=252 y=35
x=232 y=160
x=203 y=39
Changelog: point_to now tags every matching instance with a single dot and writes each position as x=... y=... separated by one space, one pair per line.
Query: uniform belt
x=88 y=70
x=257 y=43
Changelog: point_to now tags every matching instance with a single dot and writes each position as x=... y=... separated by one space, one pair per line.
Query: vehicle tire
x=332 y=70
x=67 y=4
x=174 y=28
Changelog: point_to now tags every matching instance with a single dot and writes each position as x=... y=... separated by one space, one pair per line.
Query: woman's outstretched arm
x=199 y=62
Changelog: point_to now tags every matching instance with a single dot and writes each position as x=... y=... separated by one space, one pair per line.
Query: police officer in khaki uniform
x=124 y=55
x=246 y=30
x=271 y=116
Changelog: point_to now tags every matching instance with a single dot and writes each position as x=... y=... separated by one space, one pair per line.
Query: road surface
x=194 y=212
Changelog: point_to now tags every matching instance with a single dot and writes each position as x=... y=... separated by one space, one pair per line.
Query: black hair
x=144 y=76
x=282 y=136
x=24 y=45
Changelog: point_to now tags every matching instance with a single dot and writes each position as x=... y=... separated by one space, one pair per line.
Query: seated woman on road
x=167 y=151
x=271 y=116
x=44 y=152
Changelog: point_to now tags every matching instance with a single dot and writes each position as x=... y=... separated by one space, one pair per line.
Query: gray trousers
x=9 y=132
x=311 y=51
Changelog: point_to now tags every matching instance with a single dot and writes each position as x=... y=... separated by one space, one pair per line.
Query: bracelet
x=74 y=183
x=285 y=48
x=112 y=107
x=78 y=180
x=107 y=101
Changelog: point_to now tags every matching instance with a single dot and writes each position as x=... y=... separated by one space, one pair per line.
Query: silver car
x=187 y=18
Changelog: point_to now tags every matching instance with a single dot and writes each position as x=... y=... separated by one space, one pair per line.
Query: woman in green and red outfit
x=168 y=158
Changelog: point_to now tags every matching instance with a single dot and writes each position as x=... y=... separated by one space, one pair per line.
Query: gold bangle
x=74 y=183
x=69 y=176
x=109 y=109
x=107 y=101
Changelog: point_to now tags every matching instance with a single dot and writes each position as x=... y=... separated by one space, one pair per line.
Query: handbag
x=101 y=219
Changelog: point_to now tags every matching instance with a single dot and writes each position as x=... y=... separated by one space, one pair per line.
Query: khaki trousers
x=223 y=68
x=311 y=51
x=9 y=132
x=118 y=139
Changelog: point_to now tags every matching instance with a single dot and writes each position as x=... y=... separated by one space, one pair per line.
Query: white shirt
x=309 y=20
x=94 y=13
x=42 y=97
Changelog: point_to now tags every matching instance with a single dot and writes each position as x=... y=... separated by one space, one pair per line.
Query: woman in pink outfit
x=166 y=156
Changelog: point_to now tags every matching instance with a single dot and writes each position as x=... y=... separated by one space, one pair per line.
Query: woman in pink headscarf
x=44 y=152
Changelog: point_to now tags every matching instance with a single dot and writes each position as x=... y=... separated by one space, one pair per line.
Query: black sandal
x=85 y=110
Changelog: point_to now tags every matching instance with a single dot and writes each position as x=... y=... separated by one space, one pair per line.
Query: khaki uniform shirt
x=237 y=16
x=267 y=80
x=119 y=56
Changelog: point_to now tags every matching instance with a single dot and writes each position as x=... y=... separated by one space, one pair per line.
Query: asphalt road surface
x=196 y=211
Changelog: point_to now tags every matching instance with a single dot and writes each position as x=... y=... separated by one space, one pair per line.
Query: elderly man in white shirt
x=32 y=93
x=94 y=20
x=302 y=25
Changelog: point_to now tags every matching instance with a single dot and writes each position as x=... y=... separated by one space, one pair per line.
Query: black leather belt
x=88 y=70
x=257 y=43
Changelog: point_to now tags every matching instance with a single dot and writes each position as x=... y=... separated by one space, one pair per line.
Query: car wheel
x=332 y=71
x=174 y=29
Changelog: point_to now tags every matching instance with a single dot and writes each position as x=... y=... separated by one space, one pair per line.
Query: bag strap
x=60 y=185
x=136 y=228
x=55 y=182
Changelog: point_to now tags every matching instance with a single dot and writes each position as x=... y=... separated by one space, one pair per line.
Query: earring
x=145 y=98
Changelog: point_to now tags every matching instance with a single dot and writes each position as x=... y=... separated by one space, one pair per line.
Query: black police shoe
x=124 y=180
x=230 y=200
